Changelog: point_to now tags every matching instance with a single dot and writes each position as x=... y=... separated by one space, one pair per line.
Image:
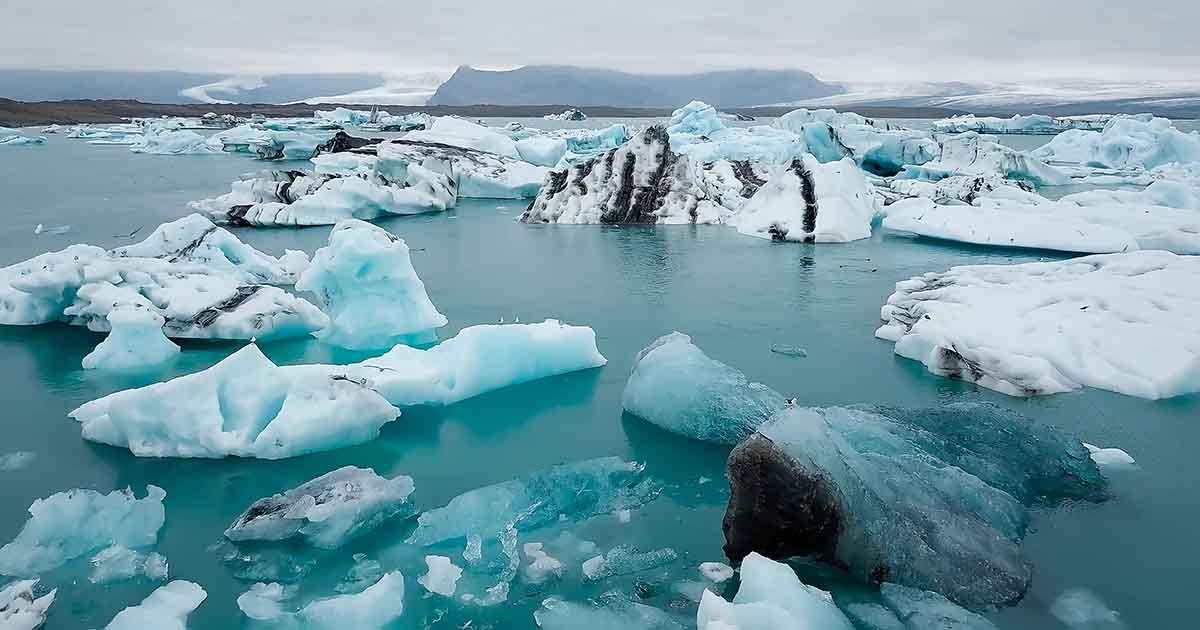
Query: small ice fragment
x=121 y=563
x=703 y=480
x=540 y=564
x=626 y=559
x=1109 y=457
x=1079 y=607
x=473 y=553
x=716 y=571
x=771 y=596
x=442 y=576
x=262 y=601
x=789 y=350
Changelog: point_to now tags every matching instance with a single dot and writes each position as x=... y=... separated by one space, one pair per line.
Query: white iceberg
x=163 y=140
x=1140 y=141
x=167 y=608
x=697 y=118
x=1119 y=322
x=1110 y=457
x=965 y=189
x=21 y=609
x=811 y=202
x=465 y=134
x=474 y=173
x=878 y=146
x=70 y=524
x=1063 y=226
x=366 y=283
x=243 y=406
x=135 y=341
x=327 y=511
x=1163 y=192
x=1032 y=124
x=14 y=137
x=972 y=154
x=374 y=608
x=122 y=563
x=441 y=576
x=770 y=596
x=571 y=114
x=676 y=386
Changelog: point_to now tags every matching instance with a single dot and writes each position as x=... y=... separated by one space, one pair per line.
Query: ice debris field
x=324 y=428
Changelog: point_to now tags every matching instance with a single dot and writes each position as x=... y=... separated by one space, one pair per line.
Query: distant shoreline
x=31 y=114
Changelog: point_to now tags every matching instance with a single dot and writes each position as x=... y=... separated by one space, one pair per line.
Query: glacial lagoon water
x=735 y=296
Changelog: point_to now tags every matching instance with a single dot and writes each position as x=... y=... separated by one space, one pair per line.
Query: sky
x=864 y=40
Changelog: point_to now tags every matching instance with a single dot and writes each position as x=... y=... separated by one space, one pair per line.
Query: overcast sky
x=836 y=39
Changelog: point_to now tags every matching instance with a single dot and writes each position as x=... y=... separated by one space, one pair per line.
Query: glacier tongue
x=366 y=282
x=1119 y=322
x=327 y=511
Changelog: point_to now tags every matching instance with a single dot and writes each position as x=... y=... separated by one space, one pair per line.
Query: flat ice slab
x=1121 y=322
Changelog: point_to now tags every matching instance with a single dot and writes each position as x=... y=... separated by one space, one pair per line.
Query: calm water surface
x=735 y=295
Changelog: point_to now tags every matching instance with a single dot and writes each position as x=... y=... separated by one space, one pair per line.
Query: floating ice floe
x=573 y=491
x=564 y=147
x=328 y=511
x=624 y=560
x=610 y=611
x=568 y=115
x=457 y=132
x=1033 y=124
x=475 y=173
x=122 y=563
x=716 y=572
x=1119 y=322
x=135 y=341
x=972 y=154
x=864 y=487
x=243 y=406
x=167 y=608
x=67 y=525
x=441 y=576
x=14 y=137
x=1109 y=457
x=157 y=139
x=811 y=202
x=376 y=607
x=199 y=278
x=770 y=596
x=20 y=608
x=1062 y=225
x=366 y=283
x=1141 y=141
x=679 y=388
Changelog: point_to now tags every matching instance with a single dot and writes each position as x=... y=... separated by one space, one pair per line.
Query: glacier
x=1140 y=141
x=570 y=491
x=770 y=596
x=70 y=524
x=167 y=608
x=811 y=202
x=135 y=341
x=328 y=511
x=1032 y=124
x=20 y=608
x=366 y=283
x=679 y=388
x=863 y=487
x=1118 y=322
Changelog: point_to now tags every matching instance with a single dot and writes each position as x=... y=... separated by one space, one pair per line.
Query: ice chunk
x=13 y=138
x=441 y=576
x=770 y=596
x=570 y=114
x=878 y=146
x=716 y=572
x=1081 y=608
x=696 y=118
x=864 y=487
x=161 y=140
x=473 y=174
x=167 y=608
x=16 y=460
x=610 y=611
x=285 y=145
x=573 y=491
x=811 y=202
x=542 y=149
x=1119 y=322
x=327 y=511
x=727 y=185
x=1062 y=226
x=971 y=154
x=624 y=560
x=458 y=132
x=925 y=610
x=679 y=388
x=1033 y=124
x=69 y=524
x=1109 y=457
x=366 y=283
x=136 y=341
x=20 y=609
x=244 y=406
x=1140 y=141
x=362 y=574
x=962 y=188
x=121 y=563
x=541 y=564
x=1165 y=193
x=473 y=552
x=376 y=607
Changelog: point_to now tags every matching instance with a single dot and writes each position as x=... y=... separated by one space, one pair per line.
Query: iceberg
x=457 y=132
x=441 y=576
x=570 y=491
x=811 y=202
x=1138 y=142
x=474 y=173
x=286 y=145
x=135 y=341
x=1063 y=226
x=878 y=146
x=121 y=563
x=328 y=511
x=160 y=139
x=1033 y=124
x=972 y=154
x=1119 y=322
x=14 y=137
x=67 y=525
x=21 y=609
x=374 y=608
x=679 y=388
x=567 y=115
x=964 y=189
x=244 y=406
x=167 y=608
x=610 y=611
x=1164 y=193
x=863 y=488
x=697 y=118
x=367 y=285
x=770 y=596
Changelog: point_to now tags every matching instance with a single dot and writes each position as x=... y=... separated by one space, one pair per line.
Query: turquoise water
x=736 y=296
